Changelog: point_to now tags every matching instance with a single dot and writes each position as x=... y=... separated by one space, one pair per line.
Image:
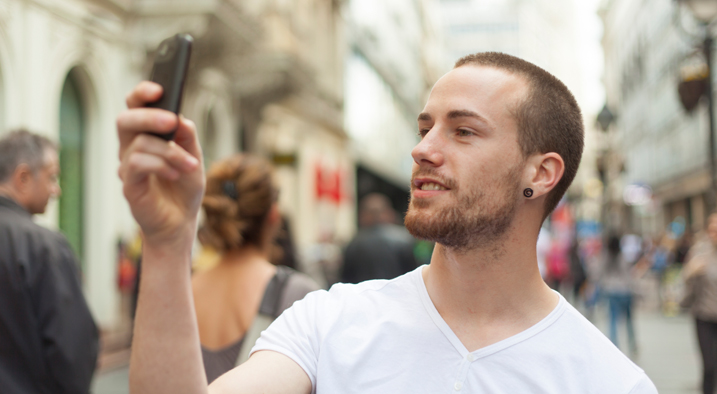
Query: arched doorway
x=72 y=164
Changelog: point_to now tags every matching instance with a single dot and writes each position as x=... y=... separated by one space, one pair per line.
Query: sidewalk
x=668 y=350
x=115 y=381
x=112 y=374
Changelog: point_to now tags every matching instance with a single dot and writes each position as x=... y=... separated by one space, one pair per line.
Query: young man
x=501 y=142
x=48 y=339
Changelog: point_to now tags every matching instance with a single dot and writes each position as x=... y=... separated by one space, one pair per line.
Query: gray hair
x=22 y=147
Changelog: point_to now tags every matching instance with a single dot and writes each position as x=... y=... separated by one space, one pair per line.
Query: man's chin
x=420 y=223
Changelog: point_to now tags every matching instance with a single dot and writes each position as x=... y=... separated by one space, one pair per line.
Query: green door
x=72 y=140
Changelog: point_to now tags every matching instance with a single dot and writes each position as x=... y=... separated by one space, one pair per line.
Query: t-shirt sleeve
x=644 y=386
x=296 y=334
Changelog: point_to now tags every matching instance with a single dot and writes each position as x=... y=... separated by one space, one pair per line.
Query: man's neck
x=9 y=193
x=492 y=292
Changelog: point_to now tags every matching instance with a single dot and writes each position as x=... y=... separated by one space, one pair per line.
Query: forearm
x=166 y=354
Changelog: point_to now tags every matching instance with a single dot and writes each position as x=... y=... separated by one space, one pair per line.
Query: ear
x=21 y=178
x=546 y=170
x=274 y=216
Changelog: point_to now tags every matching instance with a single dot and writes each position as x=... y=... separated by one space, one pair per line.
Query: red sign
x=329 y=184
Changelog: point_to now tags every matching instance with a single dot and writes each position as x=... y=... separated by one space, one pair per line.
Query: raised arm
x=164 y=184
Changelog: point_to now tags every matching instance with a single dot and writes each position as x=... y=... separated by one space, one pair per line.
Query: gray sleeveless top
x=218 y=362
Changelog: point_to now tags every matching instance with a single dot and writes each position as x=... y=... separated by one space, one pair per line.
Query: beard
x=477 y=218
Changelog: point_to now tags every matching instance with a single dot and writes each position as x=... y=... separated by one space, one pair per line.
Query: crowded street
x=358 y=196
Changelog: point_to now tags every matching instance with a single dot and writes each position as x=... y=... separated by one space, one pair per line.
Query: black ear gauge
x=528 y=192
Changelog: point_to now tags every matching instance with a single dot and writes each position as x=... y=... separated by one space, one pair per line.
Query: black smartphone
x=171 y=62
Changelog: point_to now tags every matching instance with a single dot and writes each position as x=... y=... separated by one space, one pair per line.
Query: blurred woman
x=243 y=290
x=700 y=298
x=616 y=282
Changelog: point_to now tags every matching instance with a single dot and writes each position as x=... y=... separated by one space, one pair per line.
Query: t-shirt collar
x=546 y=322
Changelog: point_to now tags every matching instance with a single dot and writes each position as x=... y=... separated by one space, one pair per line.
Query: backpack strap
x=268 y=310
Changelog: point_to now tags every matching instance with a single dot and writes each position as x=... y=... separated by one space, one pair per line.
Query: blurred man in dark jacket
x=48 y=339
x=381 y=249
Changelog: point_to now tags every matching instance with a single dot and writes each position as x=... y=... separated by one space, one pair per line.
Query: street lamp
x=705 y=11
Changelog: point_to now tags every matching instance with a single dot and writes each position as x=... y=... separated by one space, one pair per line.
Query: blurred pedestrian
x=48 y=339
x=577 y=271
x=700 y=297
x=683 y=248
x=239 y=296
x=381 y=249
x=616 y=283
x=542 y=248
x=558 y=260
x=662 y=257
x=631 y=247
x=285 y=241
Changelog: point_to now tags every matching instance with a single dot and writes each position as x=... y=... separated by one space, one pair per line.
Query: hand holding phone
x=170 y=71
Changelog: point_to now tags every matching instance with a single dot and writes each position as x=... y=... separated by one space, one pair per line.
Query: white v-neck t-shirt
x=386 y=336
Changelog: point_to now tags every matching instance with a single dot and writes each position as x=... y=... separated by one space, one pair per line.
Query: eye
x=422 y=132
x=464 y=132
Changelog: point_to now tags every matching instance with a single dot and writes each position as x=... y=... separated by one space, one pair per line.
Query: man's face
x=468 y=166
x=44 y=184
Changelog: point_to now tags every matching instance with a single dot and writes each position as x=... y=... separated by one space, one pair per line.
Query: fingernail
x=153 y=88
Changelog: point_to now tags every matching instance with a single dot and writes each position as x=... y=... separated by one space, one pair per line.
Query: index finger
x=145 y=92
x=133 y=122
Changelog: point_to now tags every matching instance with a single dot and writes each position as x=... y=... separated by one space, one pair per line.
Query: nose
x=429 y=150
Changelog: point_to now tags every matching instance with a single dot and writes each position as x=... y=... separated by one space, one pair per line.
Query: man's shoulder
x=345 y=297
x=374 y=287
x=576 y=330
x=19 y=222
x=22 y=232
x=578 y=344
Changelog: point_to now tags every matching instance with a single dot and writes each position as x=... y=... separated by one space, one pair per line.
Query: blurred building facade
x=394 y=58
x=652 y=142
x=266 y=77
x=543 y=32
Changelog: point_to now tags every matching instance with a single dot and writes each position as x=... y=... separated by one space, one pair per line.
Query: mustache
x=433 y=174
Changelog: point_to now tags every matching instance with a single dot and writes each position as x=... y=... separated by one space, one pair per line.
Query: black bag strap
x=268 y=310
x=275 y=291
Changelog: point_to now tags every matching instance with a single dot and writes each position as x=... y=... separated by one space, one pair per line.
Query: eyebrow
x=458 y=113
x=424 y=116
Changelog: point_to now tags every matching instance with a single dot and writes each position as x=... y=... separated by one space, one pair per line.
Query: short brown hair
x=240 y=193
x=22 y=147
x=549 y=118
